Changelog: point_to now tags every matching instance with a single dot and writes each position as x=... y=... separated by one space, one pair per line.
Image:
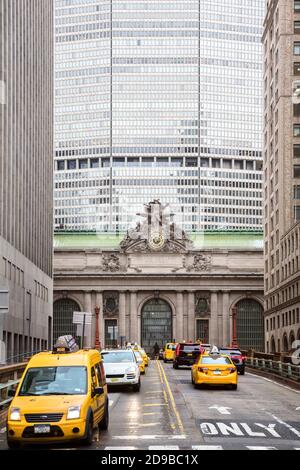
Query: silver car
x=121 y=368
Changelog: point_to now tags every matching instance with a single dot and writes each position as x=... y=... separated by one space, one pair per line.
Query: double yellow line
x=165 y=382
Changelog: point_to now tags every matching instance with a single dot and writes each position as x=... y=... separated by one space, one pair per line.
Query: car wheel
x=13 y=445
x=137 y=387
x=234 y=387
x=242 y=372
x=165 y=361
x=175 y=366
x=88 y=440
x=104 y=423
x=193 y=382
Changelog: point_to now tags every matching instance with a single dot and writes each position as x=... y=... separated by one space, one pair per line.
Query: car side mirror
x=97 y=391
x=11 y=393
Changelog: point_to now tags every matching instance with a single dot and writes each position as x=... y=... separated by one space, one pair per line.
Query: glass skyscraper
x=158 y=99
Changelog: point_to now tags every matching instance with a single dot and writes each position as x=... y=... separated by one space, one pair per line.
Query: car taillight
x=231 y=369
x=204 y=370
x=244 y=358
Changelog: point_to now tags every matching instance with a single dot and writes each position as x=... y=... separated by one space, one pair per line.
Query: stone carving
x=202 y=304
x=111 y=263
x=157 y=233
x=110 y=303
x=200 y=263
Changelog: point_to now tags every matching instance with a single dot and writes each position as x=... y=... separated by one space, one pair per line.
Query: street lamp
x=234 y=328
x=97 y=335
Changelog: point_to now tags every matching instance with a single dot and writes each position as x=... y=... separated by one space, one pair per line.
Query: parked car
x=121 y=368
x=186 y=354
x=237 y=358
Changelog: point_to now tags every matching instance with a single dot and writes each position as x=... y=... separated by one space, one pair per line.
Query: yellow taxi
x=214 y=369
x=144 y=355
x=62 y=396
x=169 y=352
x=140 y=361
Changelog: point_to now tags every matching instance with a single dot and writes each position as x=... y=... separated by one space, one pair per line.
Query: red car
x=237 y=358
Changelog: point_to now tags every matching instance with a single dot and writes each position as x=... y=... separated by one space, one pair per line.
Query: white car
x=121 y=368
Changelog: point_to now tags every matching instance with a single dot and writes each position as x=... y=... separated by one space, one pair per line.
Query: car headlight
x=131 y=370
x=15 y=414
x=74 y=412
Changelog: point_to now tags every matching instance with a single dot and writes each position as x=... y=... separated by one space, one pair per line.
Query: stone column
x=179 y=317
x=122 y=315
x=99 y=303
x=214 y=318
x=89 y=330
x=226 y=319
x=191 y=316
x=133 y=317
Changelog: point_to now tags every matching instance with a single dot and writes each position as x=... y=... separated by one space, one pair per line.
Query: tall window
x=296 y=130
x=296 y=171
x=297 y=213
x=296 y=151
x=297 y=48
x=297 y=6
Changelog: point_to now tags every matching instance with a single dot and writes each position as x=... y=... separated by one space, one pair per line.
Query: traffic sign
x=82 y=317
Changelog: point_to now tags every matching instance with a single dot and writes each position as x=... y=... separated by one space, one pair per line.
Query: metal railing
x=23 y=357
x=4 y=388
x=282 y=369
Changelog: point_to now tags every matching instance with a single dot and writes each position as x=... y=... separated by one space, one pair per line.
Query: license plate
x=115 y=380
x=190 y=355
x=217 y=372
x=41 y=429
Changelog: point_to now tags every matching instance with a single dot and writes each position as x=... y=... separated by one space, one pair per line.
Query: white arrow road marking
x=224 y=410
x=163 y=447
x=120 y=448
x=207 y=448
x=260 y=448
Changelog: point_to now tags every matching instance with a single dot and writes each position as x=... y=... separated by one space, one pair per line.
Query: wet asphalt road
x=170 y=414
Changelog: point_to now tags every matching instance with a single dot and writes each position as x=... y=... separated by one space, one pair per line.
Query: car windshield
x=215 y=360
x=191 y=348
x=113 y=357
x=54 y=381
x=171 y=346
x=231 y=352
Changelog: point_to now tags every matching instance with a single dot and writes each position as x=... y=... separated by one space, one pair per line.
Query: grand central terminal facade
x=156 y=284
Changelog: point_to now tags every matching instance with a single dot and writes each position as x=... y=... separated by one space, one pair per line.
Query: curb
x=282 y=380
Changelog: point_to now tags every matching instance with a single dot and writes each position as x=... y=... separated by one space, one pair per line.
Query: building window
x=297 y=6
x=297 y=213
x=297 y=48
x=71 y=164
x=296 y=68
x=60 y=165
x=297 y=110
x=296 y=130
x=297 y=27
x=95 y=163
x=83 y=164
x=296 y=192
x=296 y=171
x=296 y=151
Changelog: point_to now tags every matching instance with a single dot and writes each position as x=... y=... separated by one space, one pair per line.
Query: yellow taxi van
x=169 y=352
x=62 y=396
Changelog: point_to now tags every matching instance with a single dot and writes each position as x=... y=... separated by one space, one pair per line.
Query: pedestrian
x=156 y=351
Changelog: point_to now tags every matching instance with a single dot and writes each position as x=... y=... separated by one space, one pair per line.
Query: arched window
x=63 y=318
x=156 y=324
x=292 y=339
x=250 y=325
x=285 y=343
x=273 y=345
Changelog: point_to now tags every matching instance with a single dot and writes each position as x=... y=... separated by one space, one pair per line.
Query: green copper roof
x=206 y=240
